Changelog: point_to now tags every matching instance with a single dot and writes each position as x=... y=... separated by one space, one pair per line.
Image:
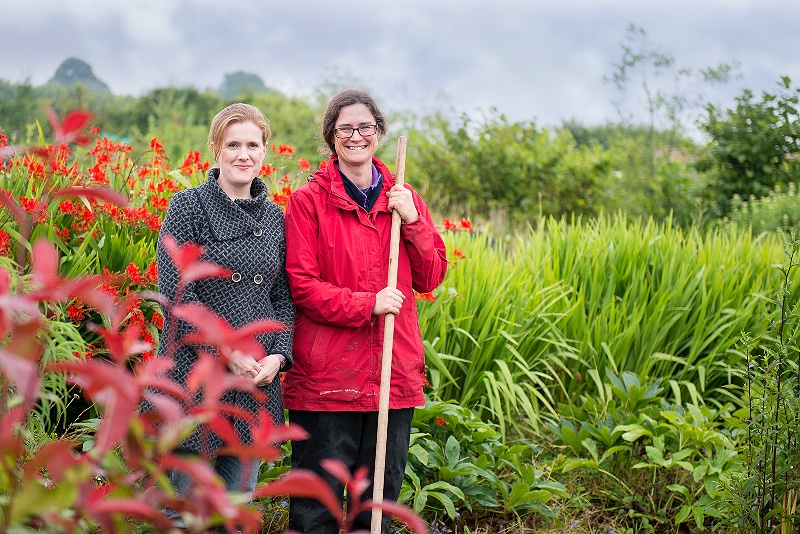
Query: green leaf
x=420 y=500
x=452 y=451
x=446 y=502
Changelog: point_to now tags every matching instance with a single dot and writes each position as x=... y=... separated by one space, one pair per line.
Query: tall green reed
x=523 y=324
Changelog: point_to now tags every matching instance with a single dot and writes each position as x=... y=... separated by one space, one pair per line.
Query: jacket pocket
x=319 y=350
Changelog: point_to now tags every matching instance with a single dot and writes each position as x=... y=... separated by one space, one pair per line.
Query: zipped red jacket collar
x=331 y=179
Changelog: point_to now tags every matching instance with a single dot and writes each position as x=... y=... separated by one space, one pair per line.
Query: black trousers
x=351 y=438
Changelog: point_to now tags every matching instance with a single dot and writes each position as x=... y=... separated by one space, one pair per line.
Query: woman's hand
x=242 y=364
x=270 y=366
x=388 y=300
x=401 y=199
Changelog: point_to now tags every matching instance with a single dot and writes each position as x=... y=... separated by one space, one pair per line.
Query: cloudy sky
x=530 y=59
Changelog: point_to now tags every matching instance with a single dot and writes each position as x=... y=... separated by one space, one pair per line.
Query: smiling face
x=357 y=151
x=240 y=155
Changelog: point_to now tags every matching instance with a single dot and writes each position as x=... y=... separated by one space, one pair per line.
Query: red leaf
x=75 y=121
x=55 y=124
x=45 y=263
x=115 y=388
x=101 y=193
x=181 y=255
x=263 y=326
x=24 y=373
x=305 y=484
x=122 y=345
x=11 y=205
x=202 y=270
x=407 y=516
x=87 y=290
x=10 y=439
x=266 y=436
x=204 y=371
x=186 y=259
x=70 y=130
x=56 y=457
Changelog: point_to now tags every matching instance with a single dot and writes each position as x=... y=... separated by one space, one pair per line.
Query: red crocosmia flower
x=305 y=166
x=157 y=147
x=429 y=297
x=158 y=320
x=440 y=421
x=466 y=225
x=151 y=273
x=5 y=243
x=282 y=198
x=458 y=254
x=135 y=274
x=284 y=150
x=267 y=170
x=76 y=312
x=323 y=164
x=449 y=225
x=37 y=209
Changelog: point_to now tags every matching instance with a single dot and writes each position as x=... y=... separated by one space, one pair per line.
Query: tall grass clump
x=524 y=324
x=493 y=337
x=655 y=300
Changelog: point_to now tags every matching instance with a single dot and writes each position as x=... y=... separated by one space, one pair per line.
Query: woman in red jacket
x=338 y=227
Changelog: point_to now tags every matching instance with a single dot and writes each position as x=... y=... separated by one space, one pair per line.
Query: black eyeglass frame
x=338 y=131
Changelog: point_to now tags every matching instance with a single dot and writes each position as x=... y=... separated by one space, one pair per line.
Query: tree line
x=488 y=168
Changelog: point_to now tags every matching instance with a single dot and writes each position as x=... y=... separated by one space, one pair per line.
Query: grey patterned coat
x=247 y=237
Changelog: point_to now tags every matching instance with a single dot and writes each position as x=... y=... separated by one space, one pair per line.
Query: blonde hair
x=234 y=113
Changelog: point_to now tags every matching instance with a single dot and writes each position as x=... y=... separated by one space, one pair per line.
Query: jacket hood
x=331 y=180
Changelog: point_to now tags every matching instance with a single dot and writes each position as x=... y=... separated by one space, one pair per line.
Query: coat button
x=257 y=232
x=257 y=279
x=236 y=277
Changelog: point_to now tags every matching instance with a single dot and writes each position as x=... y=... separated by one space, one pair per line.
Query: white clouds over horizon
x=530 y=60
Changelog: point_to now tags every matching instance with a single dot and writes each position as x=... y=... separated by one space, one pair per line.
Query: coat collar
x=331 y=179
x=226 y=219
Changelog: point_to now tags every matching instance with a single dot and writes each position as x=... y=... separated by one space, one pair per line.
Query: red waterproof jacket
x=337 y=259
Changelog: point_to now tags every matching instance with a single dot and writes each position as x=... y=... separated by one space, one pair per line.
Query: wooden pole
x=386 y=360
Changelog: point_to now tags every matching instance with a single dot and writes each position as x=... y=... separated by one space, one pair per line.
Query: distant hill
x=73 y=71
x=240 y=82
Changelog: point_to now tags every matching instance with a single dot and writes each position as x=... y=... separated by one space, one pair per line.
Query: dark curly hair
x=344 y=99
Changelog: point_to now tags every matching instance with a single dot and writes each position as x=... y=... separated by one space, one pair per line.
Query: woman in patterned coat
x=241 y=229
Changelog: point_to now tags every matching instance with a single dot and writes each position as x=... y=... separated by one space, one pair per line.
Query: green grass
x=523 y=324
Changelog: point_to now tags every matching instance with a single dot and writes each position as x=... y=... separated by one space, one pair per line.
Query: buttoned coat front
x=247 y=237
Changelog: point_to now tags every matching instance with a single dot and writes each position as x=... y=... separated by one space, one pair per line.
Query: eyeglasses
x=346 y=132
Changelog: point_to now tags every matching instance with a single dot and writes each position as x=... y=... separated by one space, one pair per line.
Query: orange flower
x=305 y=166
x=134 y=273
x=449 y=224
x=158 y=320
x=157 y=147
x=75 y=311
x=151 y=273
x=440 y=421
x=429 y=297
x=458 y=254
x=5 y=243
x=466 y=225
x=267 y=170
